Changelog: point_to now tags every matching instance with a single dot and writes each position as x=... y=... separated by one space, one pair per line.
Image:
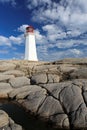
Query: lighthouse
x=30 y=45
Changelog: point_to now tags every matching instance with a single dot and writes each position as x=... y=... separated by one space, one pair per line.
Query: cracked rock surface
x=54 y=91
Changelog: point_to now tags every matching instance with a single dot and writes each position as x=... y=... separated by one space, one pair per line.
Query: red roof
x=29 y=27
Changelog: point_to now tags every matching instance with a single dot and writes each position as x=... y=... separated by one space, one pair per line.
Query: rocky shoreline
x=54 y=91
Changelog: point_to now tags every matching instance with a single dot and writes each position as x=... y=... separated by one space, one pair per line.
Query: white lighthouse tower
x=30 y=45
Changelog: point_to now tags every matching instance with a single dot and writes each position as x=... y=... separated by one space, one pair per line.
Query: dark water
x=26 y=120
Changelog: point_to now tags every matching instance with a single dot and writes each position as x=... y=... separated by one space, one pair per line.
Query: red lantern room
x=30 y=29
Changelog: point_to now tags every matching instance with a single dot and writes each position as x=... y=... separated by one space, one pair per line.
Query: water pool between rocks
x=21 y=117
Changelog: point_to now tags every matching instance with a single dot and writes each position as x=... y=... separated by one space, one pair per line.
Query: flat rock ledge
x=54 y=91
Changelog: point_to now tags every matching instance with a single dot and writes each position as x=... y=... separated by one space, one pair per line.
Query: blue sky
x=60 y=28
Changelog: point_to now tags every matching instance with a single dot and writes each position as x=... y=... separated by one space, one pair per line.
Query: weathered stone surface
x=45 y=68
x=35 y=99
x=61 y=121
x=53 y=78
x=73 y=61
x=5 y=78
x=11 y=125
x=71 y=98
x=50 y=107
x=56 y=91
x=67 y=68
x=7 y=66
x=79 y=117
x=39 y=78
x=16 y=127
x=4 y=119
x=20 y=92
x=85 y=97
x=5 y=88
x=55 y=88
x=19 y=82
x=84 y=85
x=80 y=83
x=16 y=73
x=79 y=74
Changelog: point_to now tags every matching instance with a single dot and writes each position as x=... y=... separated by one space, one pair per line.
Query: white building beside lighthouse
x=30 y=45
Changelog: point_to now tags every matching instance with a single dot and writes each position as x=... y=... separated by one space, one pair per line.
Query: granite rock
x=5 y=88
x=16 y=73
x=61 y=121
x=50 y=107
x=53 y=78
x=71 y=98
x=4 y=119
x=56 y=91
x=19 y=82
x=4 y=66
x=5 y=78
x=35 y=98
x=39 y=78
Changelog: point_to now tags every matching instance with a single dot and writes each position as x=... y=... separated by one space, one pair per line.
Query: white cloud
x=51 y=45
x=75 y=51
x=61 y=49
x=69 y=43
x=17 y=40
x=4 y=51
x=64 y=22
x=34 y=3
x=65 y=43
x=71 y=14
x=8 y=41
x=13 y=2
x=76 y=12
x=22 y=28
x=40 y=39
x=44 y=54
x=53 y=32
x=53 y=37
x=73 y=33
x=4 y=41
x=52 y=28
x=18 y=55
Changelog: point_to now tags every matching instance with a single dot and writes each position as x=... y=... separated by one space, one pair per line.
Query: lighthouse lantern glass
x=30 y=29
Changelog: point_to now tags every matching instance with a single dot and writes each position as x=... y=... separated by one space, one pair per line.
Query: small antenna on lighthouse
x=30 y=45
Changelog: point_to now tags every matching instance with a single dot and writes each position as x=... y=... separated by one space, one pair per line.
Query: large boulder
x=39 y=78
x=5 y=88
x=16 y=73
x=53 y=78
x=71 y=98
x=20 y=93
x=50 y=107
x=79 y=74
x=34 y=99
x=55 y=92
x=4 y=119
x=6 y=66
x=61 y=121
x=5 y=78
x=19 y=82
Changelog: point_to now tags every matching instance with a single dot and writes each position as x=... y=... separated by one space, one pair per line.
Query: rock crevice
x=55 y=91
